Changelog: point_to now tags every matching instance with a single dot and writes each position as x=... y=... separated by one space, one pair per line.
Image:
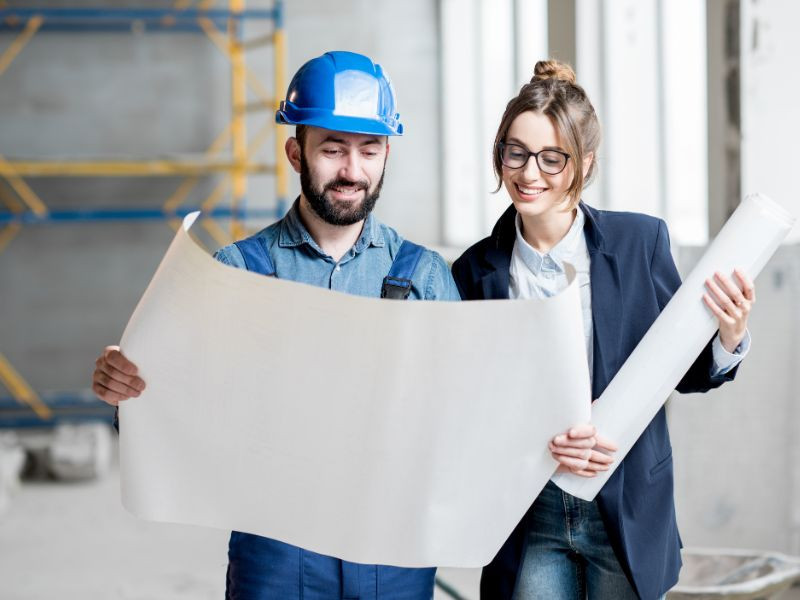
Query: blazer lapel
x=495 y=279
x=607 y=308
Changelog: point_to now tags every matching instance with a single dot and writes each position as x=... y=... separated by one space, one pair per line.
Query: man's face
x=341 y=174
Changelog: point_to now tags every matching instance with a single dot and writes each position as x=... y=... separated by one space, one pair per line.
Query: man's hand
x=581 y=451
x=114 y=378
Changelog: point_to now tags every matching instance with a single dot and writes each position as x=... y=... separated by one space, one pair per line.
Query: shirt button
x=338 y=267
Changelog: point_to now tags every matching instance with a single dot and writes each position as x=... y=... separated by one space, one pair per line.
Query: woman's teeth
x=530 y=191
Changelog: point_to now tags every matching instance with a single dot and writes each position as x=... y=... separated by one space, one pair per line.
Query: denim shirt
x=360 y=271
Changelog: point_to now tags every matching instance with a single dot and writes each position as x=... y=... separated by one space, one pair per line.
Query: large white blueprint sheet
x=401 y=433
x=642 y=385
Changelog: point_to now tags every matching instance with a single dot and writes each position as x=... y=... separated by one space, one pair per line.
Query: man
x=344 y=108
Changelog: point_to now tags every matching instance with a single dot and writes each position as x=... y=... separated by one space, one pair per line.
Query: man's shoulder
x=231 y=255
x=394 y=241
x=432 y=274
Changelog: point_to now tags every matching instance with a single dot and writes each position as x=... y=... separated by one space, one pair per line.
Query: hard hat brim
x=342 y=123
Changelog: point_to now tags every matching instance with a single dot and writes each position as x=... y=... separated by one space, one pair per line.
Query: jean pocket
x=661 y=465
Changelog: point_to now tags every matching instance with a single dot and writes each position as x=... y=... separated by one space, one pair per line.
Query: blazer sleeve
x=464 y=274
x=666 y=282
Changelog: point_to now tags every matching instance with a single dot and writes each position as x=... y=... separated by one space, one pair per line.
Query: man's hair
x=300 y=134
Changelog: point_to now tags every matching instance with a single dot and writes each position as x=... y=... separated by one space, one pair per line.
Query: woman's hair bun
x=553 y=69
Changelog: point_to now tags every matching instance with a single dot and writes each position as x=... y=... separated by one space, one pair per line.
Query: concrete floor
x=75 y=541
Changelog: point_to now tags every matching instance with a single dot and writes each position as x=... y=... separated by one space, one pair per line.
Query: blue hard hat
x=342 y=91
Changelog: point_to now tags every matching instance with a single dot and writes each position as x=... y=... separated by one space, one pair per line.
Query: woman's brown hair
x=553 y=92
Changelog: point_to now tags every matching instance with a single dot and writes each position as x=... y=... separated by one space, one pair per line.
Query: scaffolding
x=231 y=155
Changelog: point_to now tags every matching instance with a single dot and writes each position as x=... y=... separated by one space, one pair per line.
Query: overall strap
x=256 y=256
x=397 y=284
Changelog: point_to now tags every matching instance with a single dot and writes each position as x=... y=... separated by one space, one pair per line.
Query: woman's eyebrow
x=524 y=145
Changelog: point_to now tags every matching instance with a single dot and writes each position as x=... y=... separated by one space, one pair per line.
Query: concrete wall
x=736 y=449
x=67 y=290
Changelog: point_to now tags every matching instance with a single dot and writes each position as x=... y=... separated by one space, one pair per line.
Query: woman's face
x=533 y=192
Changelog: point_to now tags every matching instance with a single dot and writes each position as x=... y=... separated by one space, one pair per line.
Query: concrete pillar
x=724 y=123
x=488 y=49
x=769 y=89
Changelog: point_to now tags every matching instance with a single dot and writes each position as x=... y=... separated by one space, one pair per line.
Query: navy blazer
x=632 y=278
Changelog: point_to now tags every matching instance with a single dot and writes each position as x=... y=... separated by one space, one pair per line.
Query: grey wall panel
x=735 y=448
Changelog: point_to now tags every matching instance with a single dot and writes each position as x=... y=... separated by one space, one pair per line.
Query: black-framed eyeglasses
x=515 y=156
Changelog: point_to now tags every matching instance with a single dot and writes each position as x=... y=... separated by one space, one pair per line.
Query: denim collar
x=562 y=251
x=294 y=233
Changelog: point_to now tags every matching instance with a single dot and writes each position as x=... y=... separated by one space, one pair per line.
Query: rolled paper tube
x=637 y=392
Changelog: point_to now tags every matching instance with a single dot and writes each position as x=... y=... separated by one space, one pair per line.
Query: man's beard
x=328 y=210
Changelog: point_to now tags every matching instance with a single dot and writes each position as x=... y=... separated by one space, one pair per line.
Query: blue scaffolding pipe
x=113 y=27
x=123 y=19
x=132 y=214
x=133 y=14
x=67 y=407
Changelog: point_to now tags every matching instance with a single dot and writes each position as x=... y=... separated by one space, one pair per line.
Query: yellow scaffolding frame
x=236 y=169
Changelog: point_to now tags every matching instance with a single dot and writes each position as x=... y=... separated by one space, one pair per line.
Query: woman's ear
x=293 y=151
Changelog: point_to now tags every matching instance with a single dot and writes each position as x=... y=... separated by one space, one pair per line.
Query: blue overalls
x=260 y=568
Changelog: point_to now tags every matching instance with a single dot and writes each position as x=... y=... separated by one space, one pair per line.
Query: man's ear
x=293 y=151
x=388 y=147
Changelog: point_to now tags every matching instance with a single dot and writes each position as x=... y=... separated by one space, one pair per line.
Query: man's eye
x=331 y=152
x=370 y=153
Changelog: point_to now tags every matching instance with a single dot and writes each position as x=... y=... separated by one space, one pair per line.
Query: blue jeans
x=567 y=554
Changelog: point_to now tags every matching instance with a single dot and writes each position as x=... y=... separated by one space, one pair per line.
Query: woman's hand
x=581 y=451
x=731 y=306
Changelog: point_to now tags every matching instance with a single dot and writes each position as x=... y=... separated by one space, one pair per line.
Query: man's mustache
x=359 y=185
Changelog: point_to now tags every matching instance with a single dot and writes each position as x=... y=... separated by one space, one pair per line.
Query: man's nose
x=351 y=168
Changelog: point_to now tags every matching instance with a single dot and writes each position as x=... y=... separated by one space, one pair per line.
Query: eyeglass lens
x=548 y=161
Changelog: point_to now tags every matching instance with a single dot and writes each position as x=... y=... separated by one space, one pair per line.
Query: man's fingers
x=106 y=395
x=114 y=385
x=117 y=360
x=132 y=381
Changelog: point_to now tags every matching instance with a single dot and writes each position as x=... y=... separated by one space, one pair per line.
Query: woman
x=625 y=544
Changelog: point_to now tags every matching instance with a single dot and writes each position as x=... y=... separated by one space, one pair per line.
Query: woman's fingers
x=606 y=444
x=748 y=287
x=564 y=441
x=722 y=316
x=582 y=451
x=723 y=300
x=582 y=430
